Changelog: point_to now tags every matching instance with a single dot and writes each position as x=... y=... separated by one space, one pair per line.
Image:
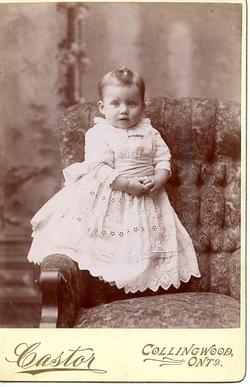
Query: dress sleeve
x=162 y=154
x=100 y=157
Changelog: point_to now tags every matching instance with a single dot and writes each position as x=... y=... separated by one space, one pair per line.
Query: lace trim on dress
x=156 y=285
x=160 y=270
x=160 y=276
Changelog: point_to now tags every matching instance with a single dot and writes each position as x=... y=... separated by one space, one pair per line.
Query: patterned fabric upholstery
x=180 y=310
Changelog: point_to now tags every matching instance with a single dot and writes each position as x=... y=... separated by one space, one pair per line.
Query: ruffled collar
x=104 y=123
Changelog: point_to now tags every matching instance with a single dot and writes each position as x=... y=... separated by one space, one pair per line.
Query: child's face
x=121 y=105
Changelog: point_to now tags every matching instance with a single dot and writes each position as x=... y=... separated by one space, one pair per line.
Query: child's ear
x=101 y=106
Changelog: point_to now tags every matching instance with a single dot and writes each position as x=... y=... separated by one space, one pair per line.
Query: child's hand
x=144 y=180
x=155 y=186
x=136 y=188
x=158 y=181
x=147 y=183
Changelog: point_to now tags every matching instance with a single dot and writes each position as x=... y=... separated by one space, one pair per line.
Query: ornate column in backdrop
x=73 y=56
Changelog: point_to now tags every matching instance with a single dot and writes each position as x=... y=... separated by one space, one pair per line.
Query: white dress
x=134 y=242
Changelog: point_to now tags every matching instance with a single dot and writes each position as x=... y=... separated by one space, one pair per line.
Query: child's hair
x=124 y=76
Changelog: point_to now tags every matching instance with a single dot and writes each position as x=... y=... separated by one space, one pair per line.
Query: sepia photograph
x=109 y=241
x=122 y=191
x=121 y=166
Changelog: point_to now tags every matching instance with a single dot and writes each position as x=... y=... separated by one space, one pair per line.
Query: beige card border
x=118 y=353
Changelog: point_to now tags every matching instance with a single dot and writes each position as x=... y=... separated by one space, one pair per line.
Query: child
x=113 y=217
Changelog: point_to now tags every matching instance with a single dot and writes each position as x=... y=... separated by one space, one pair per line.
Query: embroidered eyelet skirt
x=134 y=242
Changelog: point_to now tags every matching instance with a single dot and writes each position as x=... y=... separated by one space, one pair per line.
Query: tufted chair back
x=204 y=139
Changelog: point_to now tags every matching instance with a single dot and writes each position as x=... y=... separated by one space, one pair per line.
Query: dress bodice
x=132 y=151
x=112 y=152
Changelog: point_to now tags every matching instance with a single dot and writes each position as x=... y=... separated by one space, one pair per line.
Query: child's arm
x=161 y=163
x=133 y=187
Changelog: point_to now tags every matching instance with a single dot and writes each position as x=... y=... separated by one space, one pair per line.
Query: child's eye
x=132 y=103
x=115 y=103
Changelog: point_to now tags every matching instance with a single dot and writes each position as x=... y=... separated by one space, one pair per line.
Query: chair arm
x=60 y=287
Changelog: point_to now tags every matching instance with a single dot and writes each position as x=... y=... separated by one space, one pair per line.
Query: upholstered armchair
x=204 y=138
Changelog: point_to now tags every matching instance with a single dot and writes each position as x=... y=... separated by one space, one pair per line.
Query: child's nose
x=123 y=108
